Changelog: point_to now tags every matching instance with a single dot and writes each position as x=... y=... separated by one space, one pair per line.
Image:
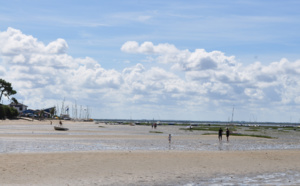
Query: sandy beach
x=32 y=153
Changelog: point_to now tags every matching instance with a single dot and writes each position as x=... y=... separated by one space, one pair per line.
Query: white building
x=20 y=107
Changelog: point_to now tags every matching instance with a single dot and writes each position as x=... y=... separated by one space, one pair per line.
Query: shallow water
x=85 y=137
x=281 y=178
x=70 y=145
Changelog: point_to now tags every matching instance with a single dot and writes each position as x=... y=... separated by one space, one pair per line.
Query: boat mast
x=62 y=108
x=232 y=114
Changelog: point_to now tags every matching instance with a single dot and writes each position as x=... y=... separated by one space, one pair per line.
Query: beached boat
x=60 y=128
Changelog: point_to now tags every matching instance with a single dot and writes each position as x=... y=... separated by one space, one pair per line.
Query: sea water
x=280 y=179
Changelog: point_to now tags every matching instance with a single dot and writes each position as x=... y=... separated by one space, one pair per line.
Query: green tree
x=14 y=112
x=2 y=112
x=8 y=112
x=14 y=100
x=6 y=89
x=41 y=114
x=52 y=111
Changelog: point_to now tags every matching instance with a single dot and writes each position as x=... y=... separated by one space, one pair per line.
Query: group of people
x=154 y=125
x=221 y=133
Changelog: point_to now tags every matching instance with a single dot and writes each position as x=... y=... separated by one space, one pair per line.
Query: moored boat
x=60 y=128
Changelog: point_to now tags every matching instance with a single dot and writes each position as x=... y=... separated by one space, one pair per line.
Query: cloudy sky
x=190 y=60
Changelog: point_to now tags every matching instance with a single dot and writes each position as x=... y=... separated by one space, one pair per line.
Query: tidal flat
x=33 y=153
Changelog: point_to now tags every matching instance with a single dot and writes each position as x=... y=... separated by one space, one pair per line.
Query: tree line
x=6 y=90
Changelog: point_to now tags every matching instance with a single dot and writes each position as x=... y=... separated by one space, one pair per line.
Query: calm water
x=280 y=179
x=85 y=137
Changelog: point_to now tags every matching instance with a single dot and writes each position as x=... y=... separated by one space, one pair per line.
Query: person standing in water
x=227 y=134
x=220 y=134
x=170 y=138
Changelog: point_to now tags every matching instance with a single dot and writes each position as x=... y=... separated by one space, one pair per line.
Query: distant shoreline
x=194 y=122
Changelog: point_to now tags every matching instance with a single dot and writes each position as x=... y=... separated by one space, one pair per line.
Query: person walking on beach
x=170 y=138
x=220 y=134
x=227 y=134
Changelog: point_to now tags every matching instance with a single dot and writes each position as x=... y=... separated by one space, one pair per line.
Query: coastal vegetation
x=8 y=112
x=250 y=131
x=7 y=90
x=249 y=135
x=208 y=128
x=157 y=132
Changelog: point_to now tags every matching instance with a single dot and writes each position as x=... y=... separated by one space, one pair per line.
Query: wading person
x=227 y=134
x=170 y=138
x=220 y=134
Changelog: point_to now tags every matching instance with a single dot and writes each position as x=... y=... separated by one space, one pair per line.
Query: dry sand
x=130 y=167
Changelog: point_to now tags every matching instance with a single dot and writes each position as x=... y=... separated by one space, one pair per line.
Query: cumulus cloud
x=148 y=48
x=221 y=77
x=59 y=46
x=45 y=73
x=40 y=71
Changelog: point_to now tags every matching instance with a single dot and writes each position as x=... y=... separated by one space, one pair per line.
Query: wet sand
x=130 y=155
x=140 y=167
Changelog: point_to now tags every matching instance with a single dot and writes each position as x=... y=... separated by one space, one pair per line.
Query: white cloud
x=148 y=48
x=47 y=72
x=13 y=42
x=59 y=46
x=208 y=81
x=222 y=77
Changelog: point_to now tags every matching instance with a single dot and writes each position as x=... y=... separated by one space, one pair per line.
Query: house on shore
x=24 y=111
x=19 y=107
x=44 y=113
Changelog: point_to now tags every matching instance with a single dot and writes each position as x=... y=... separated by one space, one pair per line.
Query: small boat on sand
x=60 y=128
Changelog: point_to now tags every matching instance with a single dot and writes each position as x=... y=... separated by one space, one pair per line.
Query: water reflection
x=220 y=146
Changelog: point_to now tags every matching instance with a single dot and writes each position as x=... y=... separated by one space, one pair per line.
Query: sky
x=178 y=60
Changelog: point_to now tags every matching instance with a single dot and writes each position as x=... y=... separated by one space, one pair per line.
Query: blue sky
x=191 y=60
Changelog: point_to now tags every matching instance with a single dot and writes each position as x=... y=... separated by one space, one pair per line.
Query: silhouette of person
x=227 y=134
x=220 y=134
